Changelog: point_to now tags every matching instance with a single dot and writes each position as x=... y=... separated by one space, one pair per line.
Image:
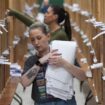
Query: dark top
x=39 y=94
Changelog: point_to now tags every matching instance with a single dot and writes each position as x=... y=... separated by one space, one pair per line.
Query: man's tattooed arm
x=29 y=76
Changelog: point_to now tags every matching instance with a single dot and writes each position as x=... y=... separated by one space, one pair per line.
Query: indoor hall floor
x=26 y=95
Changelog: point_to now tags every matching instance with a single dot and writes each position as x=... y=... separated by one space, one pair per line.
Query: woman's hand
x=48 y=56
x=56 y=60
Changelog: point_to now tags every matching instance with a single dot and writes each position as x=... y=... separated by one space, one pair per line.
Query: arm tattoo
x=33 y=72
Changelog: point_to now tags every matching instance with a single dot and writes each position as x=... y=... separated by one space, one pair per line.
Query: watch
x=38 y=63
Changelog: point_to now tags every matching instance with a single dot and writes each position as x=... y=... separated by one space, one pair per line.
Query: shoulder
x=59 y=35
x=31 y=60
x=61 y=31
x=29 y=63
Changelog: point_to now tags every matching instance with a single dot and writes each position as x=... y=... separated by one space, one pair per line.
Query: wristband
x=38 y=63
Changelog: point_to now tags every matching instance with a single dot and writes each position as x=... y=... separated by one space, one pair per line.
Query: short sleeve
x=29 y=63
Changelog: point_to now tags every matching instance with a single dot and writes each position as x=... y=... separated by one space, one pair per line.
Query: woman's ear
x=49 y=36
x=56 y=17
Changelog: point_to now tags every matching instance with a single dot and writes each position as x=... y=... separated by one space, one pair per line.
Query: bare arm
x=72 y=69
x=75 y=71
x=29 y=76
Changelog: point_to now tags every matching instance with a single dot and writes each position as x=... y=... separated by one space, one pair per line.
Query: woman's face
x=50 y=16
x=39 y=40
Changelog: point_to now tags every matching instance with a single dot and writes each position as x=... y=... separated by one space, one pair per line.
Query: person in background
x=56 y=18
x=58 y=21
x=35 y=67
x=44 y=6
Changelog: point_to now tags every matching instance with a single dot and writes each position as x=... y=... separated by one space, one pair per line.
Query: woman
x=58 y=21
x=56 y=18
x=35 y=67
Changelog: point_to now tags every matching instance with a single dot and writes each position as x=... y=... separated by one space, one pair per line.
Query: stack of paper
x=59 y=86
x=59 y=82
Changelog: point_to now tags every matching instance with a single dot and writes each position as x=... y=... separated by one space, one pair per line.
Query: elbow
x=83 y=77
x=24 y=82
